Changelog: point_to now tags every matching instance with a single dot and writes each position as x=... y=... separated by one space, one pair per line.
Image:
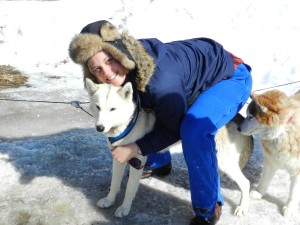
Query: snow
x=54 y=166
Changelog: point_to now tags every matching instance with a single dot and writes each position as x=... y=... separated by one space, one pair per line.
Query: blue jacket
x=182 y=70
x=167 y=76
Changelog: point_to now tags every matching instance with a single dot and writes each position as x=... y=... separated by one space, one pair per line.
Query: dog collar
x=130 y=125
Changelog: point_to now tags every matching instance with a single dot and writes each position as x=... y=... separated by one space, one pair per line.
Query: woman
x=194 y=87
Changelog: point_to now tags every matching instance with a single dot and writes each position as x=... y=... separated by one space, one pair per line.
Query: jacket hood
x=104 y=36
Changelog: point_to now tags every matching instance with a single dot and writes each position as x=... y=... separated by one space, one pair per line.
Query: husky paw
x=288 y=212
x=255 y=195
x=240 y=211
x=105 y=202
x=122 y=211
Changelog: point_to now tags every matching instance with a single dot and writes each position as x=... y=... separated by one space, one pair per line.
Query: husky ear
x=90 y=86
x=253 y=96
x=258 y=106
x=126 y=92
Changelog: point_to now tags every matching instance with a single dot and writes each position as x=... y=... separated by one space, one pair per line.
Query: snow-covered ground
x=54 y=166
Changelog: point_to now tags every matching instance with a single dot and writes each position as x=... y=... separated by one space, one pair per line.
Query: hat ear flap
x=109 y=32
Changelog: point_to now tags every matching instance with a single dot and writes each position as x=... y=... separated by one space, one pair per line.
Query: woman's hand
x=124 y=153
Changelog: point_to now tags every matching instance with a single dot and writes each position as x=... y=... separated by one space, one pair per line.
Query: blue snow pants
x=211 y=110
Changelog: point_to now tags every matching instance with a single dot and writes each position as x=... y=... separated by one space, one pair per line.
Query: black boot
x=158 y=164
x=198 y=220
x=162 y=171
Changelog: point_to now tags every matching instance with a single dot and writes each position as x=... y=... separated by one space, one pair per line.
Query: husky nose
x=239 y=129
x=100 y=128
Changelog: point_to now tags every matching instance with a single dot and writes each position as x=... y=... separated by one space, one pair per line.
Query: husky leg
x=265 y=180
x=291 y=207
x=244 y=186
x=233 y=171
x=131 y=189
x=117 y=175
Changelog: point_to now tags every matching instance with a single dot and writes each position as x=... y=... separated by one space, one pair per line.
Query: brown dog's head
x=270 y=107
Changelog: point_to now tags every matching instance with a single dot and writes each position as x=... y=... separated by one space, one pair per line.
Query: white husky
x=113 y=109
x=275 y=117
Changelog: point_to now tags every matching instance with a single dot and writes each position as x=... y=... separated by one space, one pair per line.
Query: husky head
x=267 y=115
x=111 y=106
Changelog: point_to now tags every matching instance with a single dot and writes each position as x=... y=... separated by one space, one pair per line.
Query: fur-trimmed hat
x=104 y=36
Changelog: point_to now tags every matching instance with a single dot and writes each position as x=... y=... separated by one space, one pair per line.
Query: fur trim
x=109 y=32
x=128 y=51
x=84 y=46
x=144 y=62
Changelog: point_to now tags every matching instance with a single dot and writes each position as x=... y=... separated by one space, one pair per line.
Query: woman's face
x=106 y=69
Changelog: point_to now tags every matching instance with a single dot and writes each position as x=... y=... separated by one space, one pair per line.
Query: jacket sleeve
x=168 y=100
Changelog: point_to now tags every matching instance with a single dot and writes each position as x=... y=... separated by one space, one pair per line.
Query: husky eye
x=112 y=109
